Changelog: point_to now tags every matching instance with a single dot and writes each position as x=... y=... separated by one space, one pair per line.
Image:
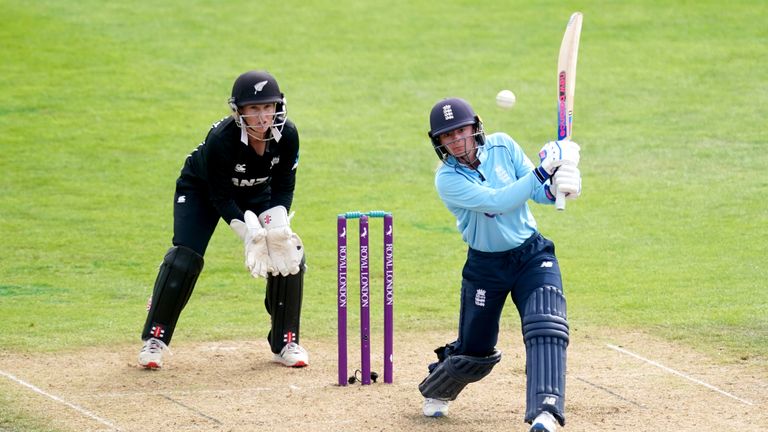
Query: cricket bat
x=566 y=85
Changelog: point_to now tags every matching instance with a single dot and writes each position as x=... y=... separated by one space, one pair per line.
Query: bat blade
x=566 y=84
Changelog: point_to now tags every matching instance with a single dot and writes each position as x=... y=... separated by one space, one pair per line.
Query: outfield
x=100 y=103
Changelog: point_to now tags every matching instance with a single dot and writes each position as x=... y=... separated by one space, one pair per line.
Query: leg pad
x=546 y=335
x=283 y=302
x=449 y=377
x=174 y=284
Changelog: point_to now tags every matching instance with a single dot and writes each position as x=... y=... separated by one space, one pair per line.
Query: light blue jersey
x=491 y=203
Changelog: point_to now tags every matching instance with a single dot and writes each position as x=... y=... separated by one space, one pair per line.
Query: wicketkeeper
x=486 y=182
x=244 y=173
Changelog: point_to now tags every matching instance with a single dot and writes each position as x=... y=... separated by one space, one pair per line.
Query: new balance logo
x=259 y=86
x=547 y=264
x=549 y=400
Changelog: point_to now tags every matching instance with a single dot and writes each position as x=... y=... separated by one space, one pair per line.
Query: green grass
x=100 y=103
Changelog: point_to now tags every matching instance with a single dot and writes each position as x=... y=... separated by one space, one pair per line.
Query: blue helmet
x=450 y=114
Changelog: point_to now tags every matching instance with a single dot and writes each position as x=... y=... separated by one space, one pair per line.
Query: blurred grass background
x=101 y=102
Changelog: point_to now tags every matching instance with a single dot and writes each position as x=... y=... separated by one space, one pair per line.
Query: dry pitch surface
x=616 y=382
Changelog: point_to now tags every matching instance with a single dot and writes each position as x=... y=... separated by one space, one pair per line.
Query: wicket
x=365 y=317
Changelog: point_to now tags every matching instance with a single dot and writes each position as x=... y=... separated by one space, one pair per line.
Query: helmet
x=258 y=87
x=255 y=87
x=450 y=114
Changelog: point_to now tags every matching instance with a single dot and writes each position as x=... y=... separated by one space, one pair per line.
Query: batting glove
x=567 y=180
x=554 y=154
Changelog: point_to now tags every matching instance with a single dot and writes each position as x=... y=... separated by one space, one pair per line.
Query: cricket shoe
x=151 y=354
x=292 y=355
x=435 y=407
x=544 y=422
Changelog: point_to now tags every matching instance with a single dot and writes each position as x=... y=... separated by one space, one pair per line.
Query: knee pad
x=283 y=302
x=546 y=336
x=174 y=284
x=451 y=375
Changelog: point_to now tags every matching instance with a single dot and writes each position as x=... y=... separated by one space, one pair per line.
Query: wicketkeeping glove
x=567 y=180
x=285 y=247
x=257 y=259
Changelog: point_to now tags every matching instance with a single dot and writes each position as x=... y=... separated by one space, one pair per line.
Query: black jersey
x=233 y=173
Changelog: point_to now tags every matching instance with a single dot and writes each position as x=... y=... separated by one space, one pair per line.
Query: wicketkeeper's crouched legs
x=174 y=284
x=545 y=331
x=283 y=302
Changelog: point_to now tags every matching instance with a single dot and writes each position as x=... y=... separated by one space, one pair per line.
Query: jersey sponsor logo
x=547 y=264
x=249 y=182
x=448 y=112
x=259 y=86
x=480 y=298
x=240 y=168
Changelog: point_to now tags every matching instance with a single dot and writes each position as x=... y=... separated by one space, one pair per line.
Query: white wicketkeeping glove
x=567 y=180
x=254 y=237
x=285 y=247
x=556 y=153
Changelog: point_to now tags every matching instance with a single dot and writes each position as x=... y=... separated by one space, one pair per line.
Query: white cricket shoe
x=151 y=354
x=435 y=407
x=292 y=355
x=544 y=422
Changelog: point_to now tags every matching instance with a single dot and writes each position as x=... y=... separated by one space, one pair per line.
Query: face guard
x=464 y=149
x=253 y=124
x=257 y=88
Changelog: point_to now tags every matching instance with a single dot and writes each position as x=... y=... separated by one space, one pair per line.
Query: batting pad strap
x=450 y=376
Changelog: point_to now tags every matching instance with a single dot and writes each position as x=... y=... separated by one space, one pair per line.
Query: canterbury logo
x=259 y=86
x=447 y=112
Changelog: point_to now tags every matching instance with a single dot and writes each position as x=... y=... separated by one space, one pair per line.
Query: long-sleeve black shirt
x=233 y=173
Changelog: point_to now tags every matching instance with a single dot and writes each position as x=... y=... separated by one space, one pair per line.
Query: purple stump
x=341 y=296
x=389 y=298
x=365 y=304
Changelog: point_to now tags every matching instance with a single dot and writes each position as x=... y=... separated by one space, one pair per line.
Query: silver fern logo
x=259 y=86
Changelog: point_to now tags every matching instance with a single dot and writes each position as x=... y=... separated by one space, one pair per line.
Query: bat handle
x=560 y=201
